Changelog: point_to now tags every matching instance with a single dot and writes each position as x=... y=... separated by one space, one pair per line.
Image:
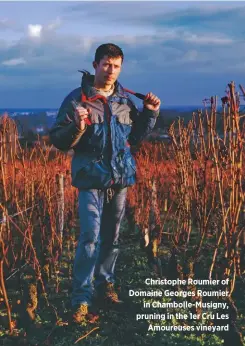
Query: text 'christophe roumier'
x=171 y=304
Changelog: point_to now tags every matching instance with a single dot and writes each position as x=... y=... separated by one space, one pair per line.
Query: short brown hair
x=109 y=49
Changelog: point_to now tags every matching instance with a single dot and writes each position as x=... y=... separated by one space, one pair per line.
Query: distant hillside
x=167 y=116
x=40 y=122
x=31 y=123
x=36 y=123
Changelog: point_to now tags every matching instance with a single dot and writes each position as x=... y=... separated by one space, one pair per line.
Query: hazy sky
x=181 y=51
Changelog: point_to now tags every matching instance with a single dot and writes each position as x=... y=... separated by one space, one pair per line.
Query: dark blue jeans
x=97 y=248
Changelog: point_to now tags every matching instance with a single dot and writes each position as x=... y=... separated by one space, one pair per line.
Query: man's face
x=108 y=70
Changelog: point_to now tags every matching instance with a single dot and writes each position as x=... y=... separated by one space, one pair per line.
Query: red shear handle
x=75 y=105
x=87 y=121
x=139 y=95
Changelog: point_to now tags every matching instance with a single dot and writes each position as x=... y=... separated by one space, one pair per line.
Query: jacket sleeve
x=143 y=124
x=64 y=134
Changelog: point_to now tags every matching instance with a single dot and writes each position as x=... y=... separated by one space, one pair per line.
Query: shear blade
x=84 y=72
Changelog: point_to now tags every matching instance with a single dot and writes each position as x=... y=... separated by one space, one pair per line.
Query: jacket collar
x=90 y=91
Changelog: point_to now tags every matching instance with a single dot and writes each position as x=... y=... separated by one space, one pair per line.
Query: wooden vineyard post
x=154 y=224
x=3 y=288
x=3 y=222
x=33 y=193
x=61 y=205
x=243 y=233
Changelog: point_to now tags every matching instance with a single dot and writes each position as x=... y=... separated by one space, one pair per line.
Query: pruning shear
x=86 y=73
x=75 y=104
x=138 y=95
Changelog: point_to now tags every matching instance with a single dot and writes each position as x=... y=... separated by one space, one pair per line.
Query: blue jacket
x=102 y=155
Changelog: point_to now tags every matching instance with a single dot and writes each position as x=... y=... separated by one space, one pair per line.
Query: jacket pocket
x=130 y=164
x=96 y=132
x=81 y=162
x=126 y=164
x=122 y=130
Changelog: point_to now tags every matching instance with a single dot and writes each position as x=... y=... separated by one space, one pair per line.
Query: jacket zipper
x=108 y=113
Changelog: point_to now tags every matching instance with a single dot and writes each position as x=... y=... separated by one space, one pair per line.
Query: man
x=100 y=123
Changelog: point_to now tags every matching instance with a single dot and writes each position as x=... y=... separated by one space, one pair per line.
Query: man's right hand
x=80 y=114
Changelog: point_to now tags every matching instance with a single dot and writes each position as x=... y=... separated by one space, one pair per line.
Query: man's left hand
x=152 y=102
